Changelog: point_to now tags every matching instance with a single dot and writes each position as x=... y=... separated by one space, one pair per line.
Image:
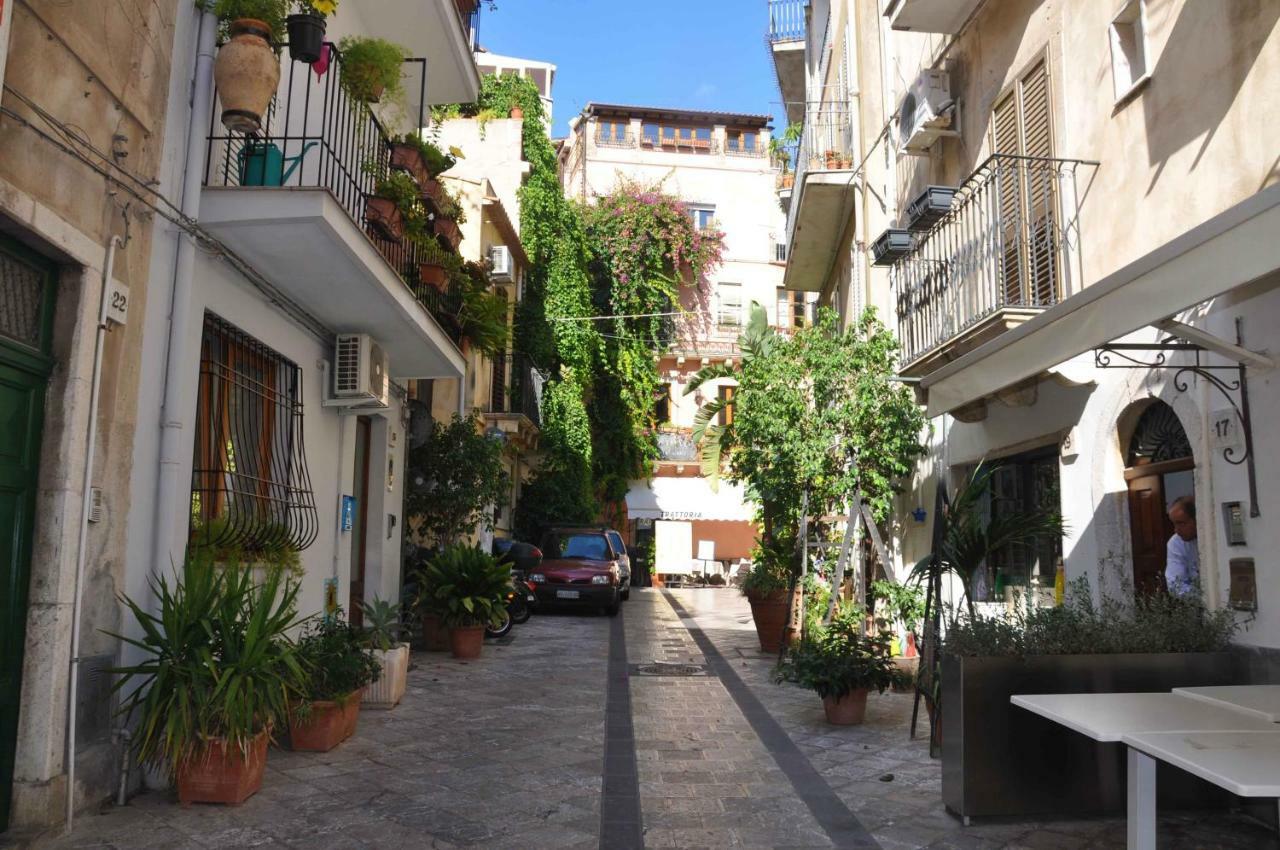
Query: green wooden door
x=26 y=309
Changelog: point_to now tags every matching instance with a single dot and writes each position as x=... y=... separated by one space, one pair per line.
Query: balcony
x=787 y=27
x=943 y=16
x=676 y=445
x=822 y=199
x=1008 y=249
x=290 y=201
x=514 y=394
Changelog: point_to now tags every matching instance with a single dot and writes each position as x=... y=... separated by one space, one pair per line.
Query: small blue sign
x=348 y=512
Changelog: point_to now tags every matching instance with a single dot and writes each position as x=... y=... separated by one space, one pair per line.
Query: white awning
x=1227 y=251
x=687 y=499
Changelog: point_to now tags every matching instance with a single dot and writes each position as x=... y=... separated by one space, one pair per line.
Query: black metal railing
x=315 y=135
x=516 y=386
x=786 y=20
x=1011 y=240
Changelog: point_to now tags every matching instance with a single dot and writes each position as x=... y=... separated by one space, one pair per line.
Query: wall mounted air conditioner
x=500 y=259
x=361 y=372
x=926 y=112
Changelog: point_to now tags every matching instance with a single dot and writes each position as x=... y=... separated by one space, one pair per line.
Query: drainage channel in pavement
x=620 y=821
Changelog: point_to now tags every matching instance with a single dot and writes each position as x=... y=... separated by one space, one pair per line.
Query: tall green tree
x=455 y=479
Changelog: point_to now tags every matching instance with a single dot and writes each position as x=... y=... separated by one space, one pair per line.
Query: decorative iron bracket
x=1125 y=355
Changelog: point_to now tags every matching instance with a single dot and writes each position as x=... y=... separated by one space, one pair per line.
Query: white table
x=1165 y=718
x=1261 y=700
x=1244 y=763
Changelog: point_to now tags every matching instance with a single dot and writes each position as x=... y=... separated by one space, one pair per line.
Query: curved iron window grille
x=250 y=489
x=1158 y=437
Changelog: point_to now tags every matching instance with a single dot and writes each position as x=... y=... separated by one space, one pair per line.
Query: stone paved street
x=509 y=752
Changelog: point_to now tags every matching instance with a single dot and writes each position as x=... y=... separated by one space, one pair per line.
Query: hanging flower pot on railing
x=306 y=36
x=433 y=275
x=246 y=73
x=385 y=218
x=432 y=193
x=447 y=230
x=408 y=159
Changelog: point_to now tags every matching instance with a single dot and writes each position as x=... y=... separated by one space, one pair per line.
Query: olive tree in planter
x=382 y=637
x=1000 y=760
x=841 y=665
x=217 y=677
x=338 y=667
x=470 y=587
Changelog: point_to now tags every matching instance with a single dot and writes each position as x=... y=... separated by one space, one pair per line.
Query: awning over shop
x=1230 y=249
x=687 y=499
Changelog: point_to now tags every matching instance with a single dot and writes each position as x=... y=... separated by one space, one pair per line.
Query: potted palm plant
x=382 y=638
x=246 y=69
x=217 y=675
x=470 y=587
x=841 y=665
x=371 y=68
x=338 y=666
x=306 y=29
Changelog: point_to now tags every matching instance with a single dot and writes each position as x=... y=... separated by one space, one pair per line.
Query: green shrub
x=437 y=161
x=468 y=585
x=839 y=659
x=334 y=654
x=382 y=624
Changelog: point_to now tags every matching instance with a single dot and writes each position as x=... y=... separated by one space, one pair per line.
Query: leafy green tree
x=454 y=480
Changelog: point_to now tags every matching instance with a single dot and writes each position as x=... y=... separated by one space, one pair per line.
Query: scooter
x=519 y=607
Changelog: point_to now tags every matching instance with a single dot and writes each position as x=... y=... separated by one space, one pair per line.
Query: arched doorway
x=1159 y=468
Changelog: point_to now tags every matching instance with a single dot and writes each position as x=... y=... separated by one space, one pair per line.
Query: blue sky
x=689 y=54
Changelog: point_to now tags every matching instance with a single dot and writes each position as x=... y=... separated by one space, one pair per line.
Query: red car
x=581 y=567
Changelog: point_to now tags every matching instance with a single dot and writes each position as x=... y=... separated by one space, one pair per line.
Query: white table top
x=1244 y=763
x=1260 y=700
x=1108 y=717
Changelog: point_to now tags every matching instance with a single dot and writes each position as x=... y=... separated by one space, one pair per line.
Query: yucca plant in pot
x=217 y=675
x=382 y=638
x=841 y=665
x=339 y=666
x=470 y=587
x=247 y=69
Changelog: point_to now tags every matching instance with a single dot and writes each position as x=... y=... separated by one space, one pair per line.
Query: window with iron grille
x=250 y=489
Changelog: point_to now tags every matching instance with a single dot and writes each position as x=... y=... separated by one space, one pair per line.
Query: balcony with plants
x=307 y=181
x=788 y=29
x=977 y=260
x=821 y=199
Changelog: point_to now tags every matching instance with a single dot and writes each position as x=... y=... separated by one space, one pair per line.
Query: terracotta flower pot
x=848 y=710
x=391 y=685
x=433 y=275
x=786 y=181
x=408 y=159
x=329 y=724
x=432 y=192
x=466 y=641
x=447 y=229
x=385 y=218
x=435 y=634
x=247 y=73
x=517 y=112
x=222 y=774
x=769 y=611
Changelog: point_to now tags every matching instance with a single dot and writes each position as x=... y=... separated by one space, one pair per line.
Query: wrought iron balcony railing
x=516 y=386
x=1010 y=246
x=786 y=20
x=314 y=135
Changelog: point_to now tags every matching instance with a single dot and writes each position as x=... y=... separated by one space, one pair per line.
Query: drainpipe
x=86 y=502
x=171 y=501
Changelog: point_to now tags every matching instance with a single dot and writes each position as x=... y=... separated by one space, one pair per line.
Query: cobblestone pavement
x=520 y=748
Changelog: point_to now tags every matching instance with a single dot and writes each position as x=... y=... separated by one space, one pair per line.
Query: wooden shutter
x=1004 y=139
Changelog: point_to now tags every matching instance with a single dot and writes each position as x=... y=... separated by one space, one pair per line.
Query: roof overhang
x=430 y=28
x=822 y=205
x=1229 y=250
x=687 y=499
x=306 y=245
x=659 y=113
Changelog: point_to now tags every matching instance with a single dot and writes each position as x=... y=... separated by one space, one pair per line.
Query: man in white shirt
x=1182 y=564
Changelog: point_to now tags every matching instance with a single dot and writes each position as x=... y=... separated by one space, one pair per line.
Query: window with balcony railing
x=786 y=20
x=611 y=133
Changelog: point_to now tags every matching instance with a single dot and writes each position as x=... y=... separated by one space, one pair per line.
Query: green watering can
x=262 y=163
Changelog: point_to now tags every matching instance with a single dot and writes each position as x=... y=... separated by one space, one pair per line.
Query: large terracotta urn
x=247 y=72
x=770 y=612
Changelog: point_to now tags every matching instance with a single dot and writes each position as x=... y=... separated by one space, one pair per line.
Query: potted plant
x=831 y=159
x=246 y=69
x=517 y=113
x=841 y=665
x=382 y=638
x=371 y=68
x=395 y=195
x=217 y=675
x=449 y=215
x=339 y=666
x=306 y=29
x=899 y=608
x=435 y=264
x=773 y=596
x=471 y=588
x=482 y=314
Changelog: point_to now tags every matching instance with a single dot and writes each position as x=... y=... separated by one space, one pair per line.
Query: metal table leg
x=1142 y=801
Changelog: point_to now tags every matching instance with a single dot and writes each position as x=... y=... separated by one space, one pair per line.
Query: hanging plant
x=371 y=68
x=307 y=27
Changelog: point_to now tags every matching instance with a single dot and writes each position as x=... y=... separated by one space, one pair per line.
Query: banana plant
x=714 y=440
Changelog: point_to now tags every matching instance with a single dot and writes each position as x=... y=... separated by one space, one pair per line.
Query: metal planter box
x=929 y=207
x=892 y=246
x=1001 y=760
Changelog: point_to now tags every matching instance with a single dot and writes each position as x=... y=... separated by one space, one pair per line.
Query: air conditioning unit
x=360 y=374
x=926 y=112
x=500 y=259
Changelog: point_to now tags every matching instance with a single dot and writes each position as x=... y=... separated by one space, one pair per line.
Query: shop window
x=250 y=489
